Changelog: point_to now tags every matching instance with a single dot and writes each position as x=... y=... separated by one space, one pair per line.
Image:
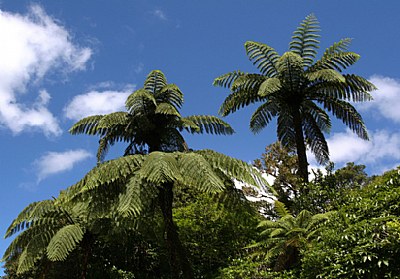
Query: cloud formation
x=97 y=102
x=160 y=14
x=380 y=153
x=386 y=101
x=31 y=46
x=56 y=162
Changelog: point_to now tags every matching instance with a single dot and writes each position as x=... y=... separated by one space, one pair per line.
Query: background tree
x=299 y=90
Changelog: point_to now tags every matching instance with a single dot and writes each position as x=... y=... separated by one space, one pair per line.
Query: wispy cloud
x=139 y=68
x=56 y=162
x=31 y=46
x=97 y=102
x=160 y=14
x=386 y=101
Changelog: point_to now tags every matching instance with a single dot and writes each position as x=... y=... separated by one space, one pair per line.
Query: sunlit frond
x=263 y=57
x=304 y=40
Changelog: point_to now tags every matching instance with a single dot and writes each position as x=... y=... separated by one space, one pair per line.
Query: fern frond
x=315 y=139
x=263 y=57
x=167 y=109
x=210 y=125
x=234 y=168
x=160 y=168
x=304 y=40
x=336 y=61
x=87 y=125
x=347 y=113
x=155 y=81
x=237 y=100
x=226 y=80
x=337 y=47
x=325 y=75
x=198 y=173
x=140 y=102
x=170 y=94
x=247 y=82
x=64 y=241
x=269 y=86
x=111 y=120
x=263 y=115
x=281 y=209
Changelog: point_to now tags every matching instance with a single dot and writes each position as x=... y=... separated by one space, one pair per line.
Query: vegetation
x=293 y=86
x=163 y=210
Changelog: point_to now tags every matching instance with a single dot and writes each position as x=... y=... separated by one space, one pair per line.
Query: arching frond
x=155 y=81
x=337 y=47
x=198 y=173
x=247 y=82
x=235 y=169
x=238 y=99
x=210 y=125
x=304 y=40
x=325 y=75
x=136 y=197
x=269 y=86
x=226 y=80
x=87 y=125
x=263 y=57
x=285 y=128
x=140 y=102
x=111 y=120
x=347 y=113
x=315 y=139
x=319 y=115
x=335 y=61
x=281 y=209
x=167 y=109
x=160 y=168
x=64 y=241
x=32 y=252
x=263 y=115
x=170 y=94
x=29 y=214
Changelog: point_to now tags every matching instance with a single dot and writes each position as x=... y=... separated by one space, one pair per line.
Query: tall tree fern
x=156 y=159
x=299 y=90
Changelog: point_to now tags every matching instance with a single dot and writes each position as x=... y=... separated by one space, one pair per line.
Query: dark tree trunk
x=300 y=145
x=178 y=259
x=87 y=250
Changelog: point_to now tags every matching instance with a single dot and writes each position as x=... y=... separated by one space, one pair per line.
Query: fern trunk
x=87 y=250
x=300 y=145
x=178 y=259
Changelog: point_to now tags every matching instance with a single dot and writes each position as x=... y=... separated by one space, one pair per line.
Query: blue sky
x=60 y=61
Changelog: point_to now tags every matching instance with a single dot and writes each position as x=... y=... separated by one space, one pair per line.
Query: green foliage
x=283 y=239
x=207 y=226
x=297 y=90
x=363 y=241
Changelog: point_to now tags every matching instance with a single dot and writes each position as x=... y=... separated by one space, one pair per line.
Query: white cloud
x=380 y=153
x=386 y=99
x=57 y=162
x=31 y=46
x=160 y=14
x=95 y=102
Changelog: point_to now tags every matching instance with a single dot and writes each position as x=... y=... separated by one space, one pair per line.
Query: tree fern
x=287 y=84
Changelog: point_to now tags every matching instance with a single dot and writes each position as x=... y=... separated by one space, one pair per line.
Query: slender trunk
x=87 y=250
x=177 y=255
x=300 y=145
